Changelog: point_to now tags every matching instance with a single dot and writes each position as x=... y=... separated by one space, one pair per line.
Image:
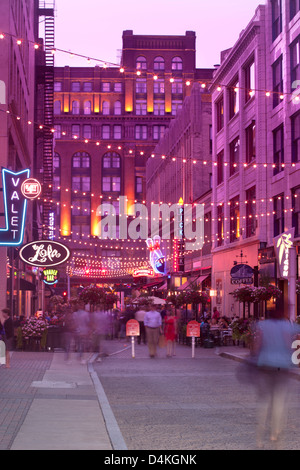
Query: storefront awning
x=163 y=287
x=202 y=278
x=153 y=284
x=26 y=285
x=188 y=283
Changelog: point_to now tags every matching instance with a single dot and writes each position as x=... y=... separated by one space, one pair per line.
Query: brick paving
x=16 y=393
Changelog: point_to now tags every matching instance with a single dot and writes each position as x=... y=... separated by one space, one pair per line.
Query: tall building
x=107 y=122
x=255 y=151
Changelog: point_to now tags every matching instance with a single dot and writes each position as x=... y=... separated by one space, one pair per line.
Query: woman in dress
x=170 y=332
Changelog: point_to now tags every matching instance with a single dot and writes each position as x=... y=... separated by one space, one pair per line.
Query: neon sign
x=157 y=259
x=15 y=205
x=283 y=243
x=50 y=276
x=31 y=188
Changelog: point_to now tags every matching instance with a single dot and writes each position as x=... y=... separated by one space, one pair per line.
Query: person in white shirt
x=139 y=316
x=152 y=322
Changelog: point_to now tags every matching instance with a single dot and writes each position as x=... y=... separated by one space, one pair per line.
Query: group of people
x=155 y=324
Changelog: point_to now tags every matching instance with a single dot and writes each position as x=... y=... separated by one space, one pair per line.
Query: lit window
x=141 y=63
x=117 y=108
x=176 y=63
x=159 y=63
x=105 y=107
x=87 y=107
x=75 y=107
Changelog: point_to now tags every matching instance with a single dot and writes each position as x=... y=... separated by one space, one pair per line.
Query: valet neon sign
x=15 y=205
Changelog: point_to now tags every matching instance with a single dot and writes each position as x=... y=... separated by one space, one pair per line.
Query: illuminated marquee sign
x=50 y=276
x=44 y=253
x=142 y=272
x=283 y=243
x=157 y=259
x=15 y=205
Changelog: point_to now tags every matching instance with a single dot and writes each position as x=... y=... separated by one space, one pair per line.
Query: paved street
x=125 y=403
x=186 y=404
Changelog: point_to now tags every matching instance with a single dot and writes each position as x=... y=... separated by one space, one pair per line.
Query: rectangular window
x=234 y=150
x=277 y=81
x=278 y=204
x=220 y=171
x=81 y=206
x=158 y=132
x=105 y=132
x=141 y=85
x=87 y=131
x=139 y=185
x=75 y=86
x=176 y=106
x=220 y=216
x=141 y=132
x=278 y=149
x=141 y=107
x=177 y=86
x=118 y=87
x=87 y=86
x=117 y=132
x=87 y=107
x=81 y=183
x=276 y=18
x=250 y=143
x=295 y=63
x=249 y=81
x=296 y=210
x=233 y=99
x=75 y=131
x=57 y=86
x=111 y=184
x=159 y=108
x=159 y=86
x=234 y=219
x=57 y=133
x=295 y=137
x=220 y=114
x=251 y=212
x=106 y=87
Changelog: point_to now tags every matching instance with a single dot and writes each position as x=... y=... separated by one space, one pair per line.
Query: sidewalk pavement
x=47 y=403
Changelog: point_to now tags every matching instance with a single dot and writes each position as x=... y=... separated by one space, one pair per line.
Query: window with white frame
x=158 y=132
x=177 y=63
x=141 y=107
x=117 y=108
x=87 y=107
x=141 y=132
x=159 y=86
x=177 y=86
x=159 y=107
x=117 y=131
x=141 y=63
x=105 y=107
x=140 y=85
x=105 y=131
x=75 y=107
x=159 y=63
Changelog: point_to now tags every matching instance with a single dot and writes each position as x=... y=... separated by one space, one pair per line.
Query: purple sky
x=94 y=27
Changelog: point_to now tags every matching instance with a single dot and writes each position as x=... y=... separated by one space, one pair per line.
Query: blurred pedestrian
x=99 y=327
x=216 y=316
x=82 y=328
x=273 y=341
x=153 y=322
x=139 y=316
x=68 y=332
x=170 y=331
x=8 y=327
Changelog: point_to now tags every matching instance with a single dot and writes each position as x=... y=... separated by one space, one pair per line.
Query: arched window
x=105 y=107
x=117 y=108
x=87 y=107
x=141 y=63
x=177 y=63
x=159 y=63
x=75 y=107
x=111 y=160
x=81 y=160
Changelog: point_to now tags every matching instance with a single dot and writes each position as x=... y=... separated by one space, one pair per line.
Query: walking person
x=8 y=327
x=82 y=329
x=170 y=331
x=152 y=322
x=68 y=332
x=274 y=338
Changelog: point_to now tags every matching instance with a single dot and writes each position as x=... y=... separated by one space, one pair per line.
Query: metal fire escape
x=46 y=10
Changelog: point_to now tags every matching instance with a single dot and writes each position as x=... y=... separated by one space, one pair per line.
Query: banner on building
x=283 y=244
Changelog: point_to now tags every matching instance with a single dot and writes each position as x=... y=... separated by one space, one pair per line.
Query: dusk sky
x=94 y=28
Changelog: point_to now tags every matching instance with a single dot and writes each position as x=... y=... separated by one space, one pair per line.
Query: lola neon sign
x=15 y=205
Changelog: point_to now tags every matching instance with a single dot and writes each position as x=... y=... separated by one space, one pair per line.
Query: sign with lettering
x=157 y=259
x=44 y=253
x=193 y=329
x=283 y=244
x=241 y=274
x=132 y=328
x=50 y=276
x=143 y=272
x=15 y=205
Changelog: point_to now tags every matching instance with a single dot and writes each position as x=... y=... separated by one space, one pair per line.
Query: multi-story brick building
x=256 y=148
x=108 y=121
